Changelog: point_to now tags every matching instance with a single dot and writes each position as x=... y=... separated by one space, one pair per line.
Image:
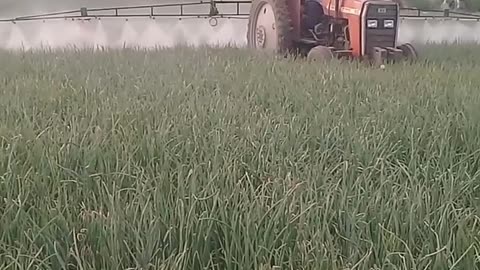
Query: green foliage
x=227 y=159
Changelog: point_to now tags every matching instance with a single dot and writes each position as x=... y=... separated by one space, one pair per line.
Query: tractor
x=326 y=29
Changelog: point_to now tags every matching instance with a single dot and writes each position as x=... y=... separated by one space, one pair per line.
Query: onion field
x=224 y=158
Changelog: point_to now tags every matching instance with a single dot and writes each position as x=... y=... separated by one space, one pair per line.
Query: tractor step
x=307 y=41
x=341 y=53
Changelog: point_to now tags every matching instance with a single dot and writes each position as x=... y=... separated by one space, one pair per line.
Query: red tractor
x=323 y=29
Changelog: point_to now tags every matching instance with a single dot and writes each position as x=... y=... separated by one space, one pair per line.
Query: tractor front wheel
x=320 y=54
x=409 y=51
x=270 y=26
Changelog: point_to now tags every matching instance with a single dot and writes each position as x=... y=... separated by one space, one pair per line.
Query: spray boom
x=229 y=9
x=148 y=11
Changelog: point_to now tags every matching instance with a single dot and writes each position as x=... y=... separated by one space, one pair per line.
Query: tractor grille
x=380 y=36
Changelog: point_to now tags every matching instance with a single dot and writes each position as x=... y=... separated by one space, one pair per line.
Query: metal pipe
x=337 y=8
x=294 y=6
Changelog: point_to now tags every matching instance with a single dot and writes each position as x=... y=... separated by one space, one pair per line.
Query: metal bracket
x=213 y=9
x=83 y=12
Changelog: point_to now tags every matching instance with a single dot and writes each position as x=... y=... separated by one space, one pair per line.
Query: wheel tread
x=283 y=24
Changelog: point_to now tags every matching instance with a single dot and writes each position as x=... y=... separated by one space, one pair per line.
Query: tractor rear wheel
x=320 y=54
x=270 y=26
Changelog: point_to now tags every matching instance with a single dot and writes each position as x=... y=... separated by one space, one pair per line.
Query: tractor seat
x=313 y=14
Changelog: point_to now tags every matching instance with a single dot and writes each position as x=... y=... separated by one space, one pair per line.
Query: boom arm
x=179 y=10
x=231 y=9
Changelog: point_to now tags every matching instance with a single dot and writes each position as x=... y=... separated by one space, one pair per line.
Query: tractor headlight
x=388 y=24
x=372 y=23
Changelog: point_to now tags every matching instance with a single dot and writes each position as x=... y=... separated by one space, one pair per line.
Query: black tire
x=283 y=24
x=409 y=51
x=320 y=54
